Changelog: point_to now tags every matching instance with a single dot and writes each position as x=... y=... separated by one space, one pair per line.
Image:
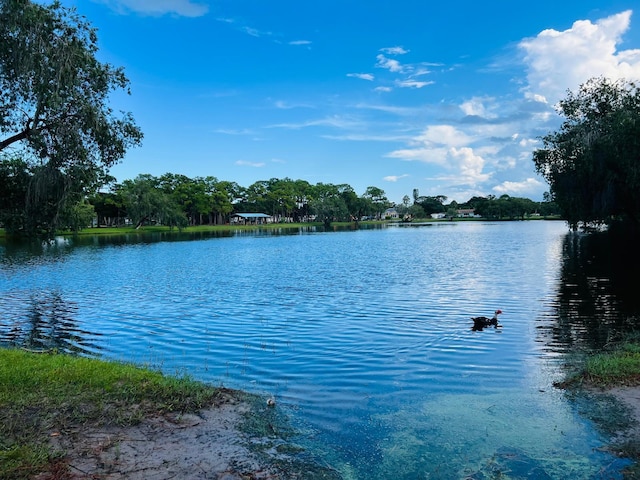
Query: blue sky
x=448 y=98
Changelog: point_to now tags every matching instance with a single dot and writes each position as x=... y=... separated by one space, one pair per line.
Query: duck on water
x=479 y=323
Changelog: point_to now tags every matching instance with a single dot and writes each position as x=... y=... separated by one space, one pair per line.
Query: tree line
x=179 y=201
x=59 y=137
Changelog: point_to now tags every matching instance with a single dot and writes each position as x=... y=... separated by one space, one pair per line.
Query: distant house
x=466 y=213
x=251 y=218
x=438 y=216
x=390 y=213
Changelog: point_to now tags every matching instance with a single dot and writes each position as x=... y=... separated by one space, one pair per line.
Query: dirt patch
x=629 y=397
x=209 y=444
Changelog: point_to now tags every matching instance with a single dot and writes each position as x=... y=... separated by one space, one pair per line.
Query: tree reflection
x=49 y=324
x=597 y=298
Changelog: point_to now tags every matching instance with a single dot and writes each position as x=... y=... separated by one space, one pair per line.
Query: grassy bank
x=200 y=228
x=41 y=394
x=617 y=366
x=620 y=366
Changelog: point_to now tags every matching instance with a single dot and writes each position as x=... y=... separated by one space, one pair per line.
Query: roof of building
x=251 y=215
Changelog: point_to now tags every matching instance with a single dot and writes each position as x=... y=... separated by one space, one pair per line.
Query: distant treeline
x=177 y=200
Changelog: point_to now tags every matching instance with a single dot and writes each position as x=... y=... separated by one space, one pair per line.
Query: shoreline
x=68 y=417
x=241 y=437
x=213 y=442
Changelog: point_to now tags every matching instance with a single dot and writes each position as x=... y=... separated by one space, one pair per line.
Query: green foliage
x=431 y=205
x=77 y=216
x=592 y=163
x=109 y=208
x=621 y=366
x=44 y=392
x=15 y=175
x=148 y=203
x=54 y=105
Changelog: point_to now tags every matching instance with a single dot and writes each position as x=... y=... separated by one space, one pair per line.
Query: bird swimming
x=480 y=323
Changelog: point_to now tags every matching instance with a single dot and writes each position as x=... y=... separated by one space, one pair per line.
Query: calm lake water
x=362 y=336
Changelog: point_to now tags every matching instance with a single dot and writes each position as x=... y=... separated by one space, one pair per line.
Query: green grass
x=44 y=393
x=200 y=228
x=621 y=366
x=617 y=366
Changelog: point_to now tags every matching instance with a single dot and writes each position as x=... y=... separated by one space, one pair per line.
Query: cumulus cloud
x=476 y=107
x=528 y=186
x=560 y=60
x=448 y=147
x=184 y=8
x=469 y=165
x=445 y=135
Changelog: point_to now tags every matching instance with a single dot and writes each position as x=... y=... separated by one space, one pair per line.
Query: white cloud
x=443 y=135
x=231 y=131
x=394 y=178
x=185 y=8
x=528 y=186
x=300 y=42
x=477 y=107
x=447 y=147
x=394 y=50
x=561 y=60
x=412 y=84
x=245 y=163
x=433 y=155
x=362 y=76
x=334 y=121
x=469 y=165
x=393 y=109
x=389 y=63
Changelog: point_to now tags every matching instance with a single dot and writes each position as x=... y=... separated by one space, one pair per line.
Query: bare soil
x=209 y=444
x=630 y=397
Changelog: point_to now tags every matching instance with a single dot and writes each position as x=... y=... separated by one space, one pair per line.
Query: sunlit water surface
x=363 y=337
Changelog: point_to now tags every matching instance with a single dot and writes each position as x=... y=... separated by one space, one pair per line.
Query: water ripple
x=352 y=331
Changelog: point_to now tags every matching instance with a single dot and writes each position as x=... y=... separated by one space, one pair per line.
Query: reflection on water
x=364 y=336
x=46 y=322
x=597 y=297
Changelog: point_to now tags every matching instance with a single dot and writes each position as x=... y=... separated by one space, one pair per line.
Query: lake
x=363 y=336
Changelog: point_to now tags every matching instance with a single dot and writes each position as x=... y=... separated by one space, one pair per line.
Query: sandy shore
x=630 y=397
x=210 y=444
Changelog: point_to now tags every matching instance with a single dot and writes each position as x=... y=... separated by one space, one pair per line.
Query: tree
x=328 y=204
x=147 y=202
x=592 y=163
x=431 y=204
x=54 y=105
x=15 y=175
x=77 y=216
x=109 y=207
x=378 y=200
